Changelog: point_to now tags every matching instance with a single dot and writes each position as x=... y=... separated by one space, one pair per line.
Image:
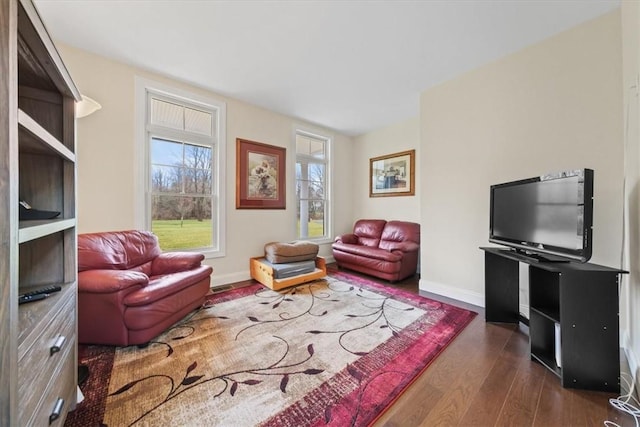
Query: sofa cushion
x=117 y=250
x=399 y=231
x=368 y=252
x=171 y=262
x=161 y=287
x=300 y=250
x=369 y=231
x=110 y=281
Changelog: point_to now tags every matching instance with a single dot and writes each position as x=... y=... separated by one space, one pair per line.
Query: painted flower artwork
x=263 y=176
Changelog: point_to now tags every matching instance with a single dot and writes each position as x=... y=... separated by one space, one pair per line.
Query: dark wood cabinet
x=574 y=304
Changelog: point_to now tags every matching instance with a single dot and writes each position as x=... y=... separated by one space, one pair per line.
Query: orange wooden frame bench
x=263 y=273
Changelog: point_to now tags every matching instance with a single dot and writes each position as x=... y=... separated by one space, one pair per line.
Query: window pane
x=309 y=146
x=165 y=152
x=182 y=222
x=302 y=145
x=311 y=217
x=166 y=179
x=197 y=156
x=197 y=181
x=310 y=179
x=316 y=148
x=167 y=114
x=316 y=172
x=198 y=178
x=198 y=121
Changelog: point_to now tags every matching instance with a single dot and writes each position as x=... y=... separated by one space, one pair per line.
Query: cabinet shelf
x=32 y=230
x=548 y=360
x=552 y=314
x=36 y=139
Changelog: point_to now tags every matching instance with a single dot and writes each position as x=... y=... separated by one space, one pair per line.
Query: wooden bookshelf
x=38 y=165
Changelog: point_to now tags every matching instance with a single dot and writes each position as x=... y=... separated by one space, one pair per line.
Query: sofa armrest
x=349 y=238
x=404 y=246
x=109 y=281
x=174 y=262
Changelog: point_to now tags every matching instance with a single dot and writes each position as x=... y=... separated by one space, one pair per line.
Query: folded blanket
x=282 y=271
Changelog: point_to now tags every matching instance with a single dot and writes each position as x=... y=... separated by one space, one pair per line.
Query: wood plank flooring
x=486 y=377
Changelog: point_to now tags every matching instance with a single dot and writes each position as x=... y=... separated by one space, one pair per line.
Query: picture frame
x=260 y=175
x=392 y=175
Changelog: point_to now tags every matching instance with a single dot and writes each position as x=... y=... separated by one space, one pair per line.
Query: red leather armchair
x=388 y=250
x=129 y=291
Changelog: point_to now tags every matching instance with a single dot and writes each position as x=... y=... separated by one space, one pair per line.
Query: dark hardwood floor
x=486 y=377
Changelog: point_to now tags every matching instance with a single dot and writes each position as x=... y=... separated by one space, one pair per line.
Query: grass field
x=191 y=234
x=198 y=234
x=315 y=228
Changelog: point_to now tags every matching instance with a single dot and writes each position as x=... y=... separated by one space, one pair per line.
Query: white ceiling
x=352 y=66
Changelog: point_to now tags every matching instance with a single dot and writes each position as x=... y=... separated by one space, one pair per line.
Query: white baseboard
x=469 y=297
x=226 y=279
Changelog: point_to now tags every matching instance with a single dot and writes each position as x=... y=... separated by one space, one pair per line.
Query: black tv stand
x=580 y=300
x=535 y=257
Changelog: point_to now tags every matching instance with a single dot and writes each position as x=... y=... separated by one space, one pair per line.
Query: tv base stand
x=572 y=303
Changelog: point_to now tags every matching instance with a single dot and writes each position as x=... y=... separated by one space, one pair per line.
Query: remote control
x=47 y=290
x=31 y=298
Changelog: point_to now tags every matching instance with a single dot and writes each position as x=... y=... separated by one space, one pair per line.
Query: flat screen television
x=548 y=218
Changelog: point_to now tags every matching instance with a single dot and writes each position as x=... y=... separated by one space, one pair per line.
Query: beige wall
x=398 y=137
x=554 y=106
x=630 y=289
x=106 y=167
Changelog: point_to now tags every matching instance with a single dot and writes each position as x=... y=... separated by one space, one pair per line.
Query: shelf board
x=35 y=138
x=548 y=361
x=31 y=230
x=552 y=314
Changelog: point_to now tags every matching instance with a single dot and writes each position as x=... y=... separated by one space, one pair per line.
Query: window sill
x=208 y=254
x=322 y=241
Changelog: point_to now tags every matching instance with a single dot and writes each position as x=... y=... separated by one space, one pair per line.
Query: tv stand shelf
x=581 y=298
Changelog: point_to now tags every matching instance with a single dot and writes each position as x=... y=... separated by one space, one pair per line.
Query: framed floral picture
x=260 y=175
x=392 y=175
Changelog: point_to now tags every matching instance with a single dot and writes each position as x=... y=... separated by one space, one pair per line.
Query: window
x=184 y=164
x=312 y=195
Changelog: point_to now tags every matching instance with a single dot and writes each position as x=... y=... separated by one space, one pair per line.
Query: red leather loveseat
x=388 y=250
x=129 y=291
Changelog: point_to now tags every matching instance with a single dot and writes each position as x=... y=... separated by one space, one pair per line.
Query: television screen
x=551 y=214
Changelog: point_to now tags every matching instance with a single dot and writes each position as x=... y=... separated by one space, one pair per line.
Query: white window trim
x=328 y=137
x=141 y=198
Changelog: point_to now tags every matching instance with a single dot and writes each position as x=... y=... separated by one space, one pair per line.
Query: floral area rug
x=336 y=351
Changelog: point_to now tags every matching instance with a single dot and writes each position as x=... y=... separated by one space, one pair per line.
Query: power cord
x=622 y=404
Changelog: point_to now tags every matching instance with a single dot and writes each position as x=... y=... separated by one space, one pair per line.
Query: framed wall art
x=260 y=175
x=392 y=175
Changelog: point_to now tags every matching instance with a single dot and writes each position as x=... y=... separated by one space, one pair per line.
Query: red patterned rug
x=337 y=351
